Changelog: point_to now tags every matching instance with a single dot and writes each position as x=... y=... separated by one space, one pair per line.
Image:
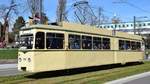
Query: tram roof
x=73 y=27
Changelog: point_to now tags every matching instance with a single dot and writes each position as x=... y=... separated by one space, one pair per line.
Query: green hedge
x=8 y=53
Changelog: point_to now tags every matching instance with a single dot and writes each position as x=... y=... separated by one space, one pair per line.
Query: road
x=9 y=70
x=144 y=80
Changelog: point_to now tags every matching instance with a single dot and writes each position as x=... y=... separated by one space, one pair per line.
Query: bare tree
x=5 y=15
x=61 y=10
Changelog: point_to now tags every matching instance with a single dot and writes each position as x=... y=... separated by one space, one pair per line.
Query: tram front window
x=40 y=40
x=26 y=41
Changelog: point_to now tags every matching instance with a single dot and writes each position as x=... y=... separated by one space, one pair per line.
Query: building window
x=96 y=43
x=144 y=24
x=131 y=25
x=106 y=43
x=123 y=25
x=148 y=24
x=112 y=26
x=119 y=26
x=104 y=26
x=40 y=40
x=107 y=26
x=74 y=42
x=54 y=41
x=140 y=25
x=127 y=25
x=86 y=42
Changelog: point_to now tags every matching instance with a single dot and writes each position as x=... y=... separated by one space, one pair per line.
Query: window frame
x=80 y=44
x=55 y=37
x=42 y=38
x=91 y=47
x=109 y=45
x=95 y=40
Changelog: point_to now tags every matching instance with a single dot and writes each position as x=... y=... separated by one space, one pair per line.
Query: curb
x=129 y=78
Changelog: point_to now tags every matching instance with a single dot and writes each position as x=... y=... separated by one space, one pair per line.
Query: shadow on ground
x=68 y=72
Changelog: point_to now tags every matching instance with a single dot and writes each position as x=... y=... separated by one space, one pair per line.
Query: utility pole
x=134 y=24
x=99 y=16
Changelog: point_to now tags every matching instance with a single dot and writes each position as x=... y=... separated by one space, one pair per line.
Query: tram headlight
x=19 y=59
x=29 y=59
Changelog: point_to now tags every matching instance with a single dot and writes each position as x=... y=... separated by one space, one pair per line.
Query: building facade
x=141 y=28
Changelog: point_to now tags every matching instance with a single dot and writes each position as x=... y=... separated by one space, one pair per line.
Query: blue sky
x=124 y=11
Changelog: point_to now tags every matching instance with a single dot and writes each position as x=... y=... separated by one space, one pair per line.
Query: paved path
x=9 y=70
x=143 y=78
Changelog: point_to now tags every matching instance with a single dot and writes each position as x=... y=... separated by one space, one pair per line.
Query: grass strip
x=8 y=53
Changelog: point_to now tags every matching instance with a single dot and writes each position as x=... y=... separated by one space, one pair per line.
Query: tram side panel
x=129 y=56
x=49 y=61
x=124 y=56
x=77 y=59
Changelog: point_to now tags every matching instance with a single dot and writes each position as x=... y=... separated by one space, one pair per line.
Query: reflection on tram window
x=97 y=43
x=40 y=40
x=133 y=45
x=121 y=44
x=106 y=43
x=54 y=41
x=26 y=41
x=129 y=45
x=74 y=42
x=86 y=42
x=138 y=45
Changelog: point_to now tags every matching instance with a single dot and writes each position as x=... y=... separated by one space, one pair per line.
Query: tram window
x=86 y=42
x=39 y=41
x=26 y=41
x=127 y=45
x=97 y=43
x=106 y=43
x=54 y=41
x=133 y=45
x=138 y=44
x=121 y=45
x=74 y=42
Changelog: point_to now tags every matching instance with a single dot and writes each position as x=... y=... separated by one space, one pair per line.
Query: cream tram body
x=48 y=48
